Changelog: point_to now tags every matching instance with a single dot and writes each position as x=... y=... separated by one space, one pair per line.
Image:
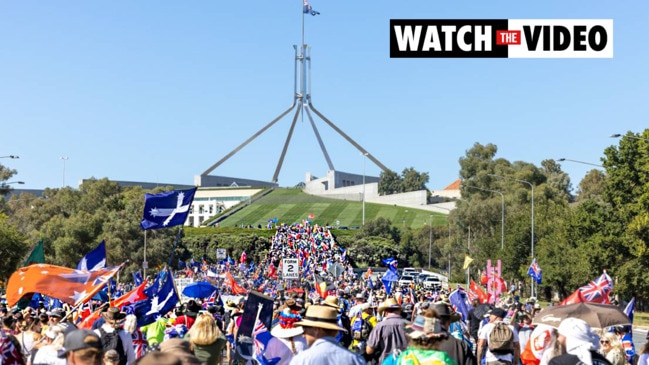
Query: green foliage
x=13 y=248
x=390 y=183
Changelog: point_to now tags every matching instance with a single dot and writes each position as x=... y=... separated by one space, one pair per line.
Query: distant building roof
x=455 y=185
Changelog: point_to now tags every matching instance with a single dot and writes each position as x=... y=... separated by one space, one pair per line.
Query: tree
x=414 y=181
x=389 y=183
x=12 y=247
x=591 y=186
x=5 y=174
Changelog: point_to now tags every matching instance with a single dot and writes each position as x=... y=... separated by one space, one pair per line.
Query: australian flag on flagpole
x=94 y=260
x=390 y=275
x=535 y=271
x=308 y=9
x=166 y=209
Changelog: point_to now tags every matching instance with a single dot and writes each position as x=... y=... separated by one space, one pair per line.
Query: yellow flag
x=467 y=262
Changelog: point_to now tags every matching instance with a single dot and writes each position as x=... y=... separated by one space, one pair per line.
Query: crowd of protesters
x=327 y=316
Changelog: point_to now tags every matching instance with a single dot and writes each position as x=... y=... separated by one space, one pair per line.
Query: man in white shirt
x=508 y=358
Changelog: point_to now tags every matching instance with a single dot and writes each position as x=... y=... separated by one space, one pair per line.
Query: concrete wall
x=225 y=181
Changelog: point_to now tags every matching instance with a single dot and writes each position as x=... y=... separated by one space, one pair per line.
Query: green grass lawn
x=292 y=206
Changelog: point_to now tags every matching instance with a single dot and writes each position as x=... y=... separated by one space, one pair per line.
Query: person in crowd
x=55 y=316
x=29 y=337
x=425 y=334
x=159 y=358
x=580 y=344
x=206 y=339
x=111 y=357
x=361 y=325
x=320 y=329
x=182 y=349
x=611 y=348
x=47 y=354
x=140 y=344
x=626 y=340
x=288 y=340
x=189 y=317
x=389 y=335
x=496 y=315
x=542 y=346
x=458 y=350
x=644 y=352
x=82 y=347
x=344 y=338
x=113 y=326
x=155 y=332
x=525 y=329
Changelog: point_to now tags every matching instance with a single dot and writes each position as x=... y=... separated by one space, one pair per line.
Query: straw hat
x=321 y=316
x=389 y=303
x=332 y=301
x=285 y=328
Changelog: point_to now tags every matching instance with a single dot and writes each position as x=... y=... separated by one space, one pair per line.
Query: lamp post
x=430 y=239
x=14 y=182
x=64 y=159
x=364 y=154
x=449 y=241
x=502 y=222
x=10 y=156
x=581 y=162
x=617 y=135
x=532 y=239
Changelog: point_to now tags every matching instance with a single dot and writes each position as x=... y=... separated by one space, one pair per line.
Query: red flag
x=477 y=290
x=131 y=297
x=244 y=257
x=67 y=285
x=236 y=288
x=573 y=298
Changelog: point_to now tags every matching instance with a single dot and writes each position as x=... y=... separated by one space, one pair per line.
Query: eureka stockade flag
x=501 y=38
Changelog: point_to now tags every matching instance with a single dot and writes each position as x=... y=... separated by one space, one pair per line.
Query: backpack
x=361 y=328
x=501 y=339
x=113 y=341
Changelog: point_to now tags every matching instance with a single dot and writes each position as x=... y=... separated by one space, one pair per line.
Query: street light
x=502 y=223
x=14 y=182
x=64 y=158
x=581 y=162
x=364 y=154
x=532 y=239
x=10 y=156
x=617 y=135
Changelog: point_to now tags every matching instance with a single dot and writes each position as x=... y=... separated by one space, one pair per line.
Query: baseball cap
x=79 y=340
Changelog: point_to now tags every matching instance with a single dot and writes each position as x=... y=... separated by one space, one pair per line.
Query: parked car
x=406 y=280
x=432 y=283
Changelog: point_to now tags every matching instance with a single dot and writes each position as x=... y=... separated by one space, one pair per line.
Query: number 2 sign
x=290 y=269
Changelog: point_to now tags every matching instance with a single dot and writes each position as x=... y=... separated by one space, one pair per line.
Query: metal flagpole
x=144 y=263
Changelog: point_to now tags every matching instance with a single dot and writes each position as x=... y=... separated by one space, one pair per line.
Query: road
x=639 y=335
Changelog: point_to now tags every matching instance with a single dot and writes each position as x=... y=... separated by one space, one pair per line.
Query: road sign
x=220 y=253
x=290 y=269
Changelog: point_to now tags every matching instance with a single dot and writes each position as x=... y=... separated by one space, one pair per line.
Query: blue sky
x=160 y=90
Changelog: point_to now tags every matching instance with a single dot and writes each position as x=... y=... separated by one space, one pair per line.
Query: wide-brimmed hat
x=426 y=326
x=331 y=301
x=113 y=314
x=56 y=312
x=445 y=311
x=389 y=303
x=321 y=316
x=285 y=327
x=231 y=304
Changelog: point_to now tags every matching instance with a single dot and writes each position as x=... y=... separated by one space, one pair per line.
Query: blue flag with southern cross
x=167 y=209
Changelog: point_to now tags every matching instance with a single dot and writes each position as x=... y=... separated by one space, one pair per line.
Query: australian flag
x=460 y=302
x=597 y=291
x=166 y=209
x=261 y=338
x=535 y=271
x=390 y=275
x=308 y=9
x=149 y=310
x=137 y=277
x=94 y=260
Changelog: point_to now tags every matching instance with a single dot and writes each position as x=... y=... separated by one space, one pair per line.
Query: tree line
x=603 y=225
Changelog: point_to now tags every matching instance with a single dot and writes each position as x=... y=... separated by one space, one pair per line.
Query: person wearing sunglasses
x=611 y=347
